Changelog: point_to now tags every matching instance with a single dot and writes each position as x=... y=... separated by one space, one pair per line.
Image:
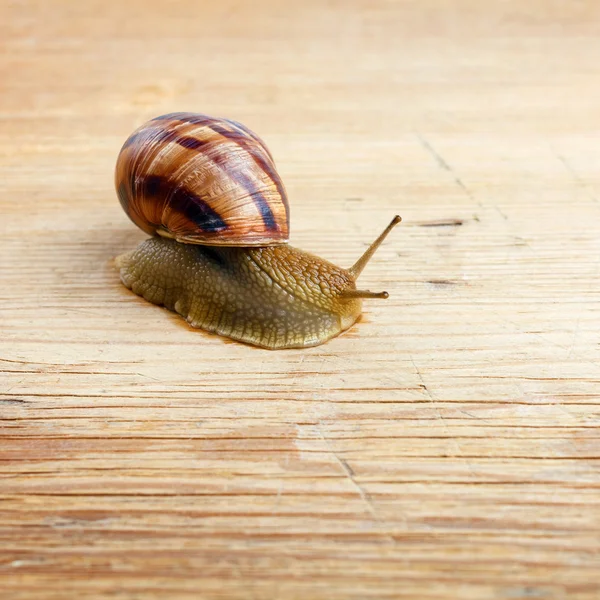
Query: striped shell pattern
x=202 y=180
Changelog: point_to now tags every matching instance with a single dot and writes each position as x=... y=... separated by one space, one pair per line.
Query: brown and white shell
x=202 y=180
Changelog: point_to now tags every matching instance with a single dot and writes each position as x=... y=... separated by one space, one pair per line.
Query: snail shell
x=202 y=180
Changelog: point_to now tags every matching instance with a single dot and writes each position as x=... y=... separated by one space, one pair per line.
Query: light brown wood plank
x=448 y=446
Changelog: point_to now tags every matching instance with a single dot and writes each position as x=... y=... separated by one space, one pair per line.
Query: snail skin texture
x=208 y=192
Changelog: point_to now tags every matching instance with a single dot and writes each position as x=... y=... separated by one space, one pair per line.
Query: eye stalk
x=364 y=294
x=356 y=269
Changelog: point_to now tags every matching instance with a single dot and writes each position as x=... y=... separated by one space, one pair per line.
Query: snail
x=207 y=191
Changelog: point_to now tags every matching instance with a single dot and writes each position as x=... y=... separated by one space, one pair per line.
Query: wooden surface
x=447 y=446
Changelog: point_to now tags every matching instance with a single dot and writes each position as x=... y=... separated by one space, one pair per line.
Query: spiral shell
x=202 y=180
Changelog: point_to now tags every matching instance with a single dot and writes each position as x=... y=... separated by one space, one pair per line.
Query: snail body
x=207 y=190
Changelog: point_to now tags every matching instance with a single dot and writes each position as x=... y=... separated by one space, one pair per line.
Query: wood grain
x=447 y=446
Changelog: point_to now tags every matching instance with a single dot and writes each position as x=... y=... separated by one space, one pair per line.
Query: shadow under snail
x=207 y=190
